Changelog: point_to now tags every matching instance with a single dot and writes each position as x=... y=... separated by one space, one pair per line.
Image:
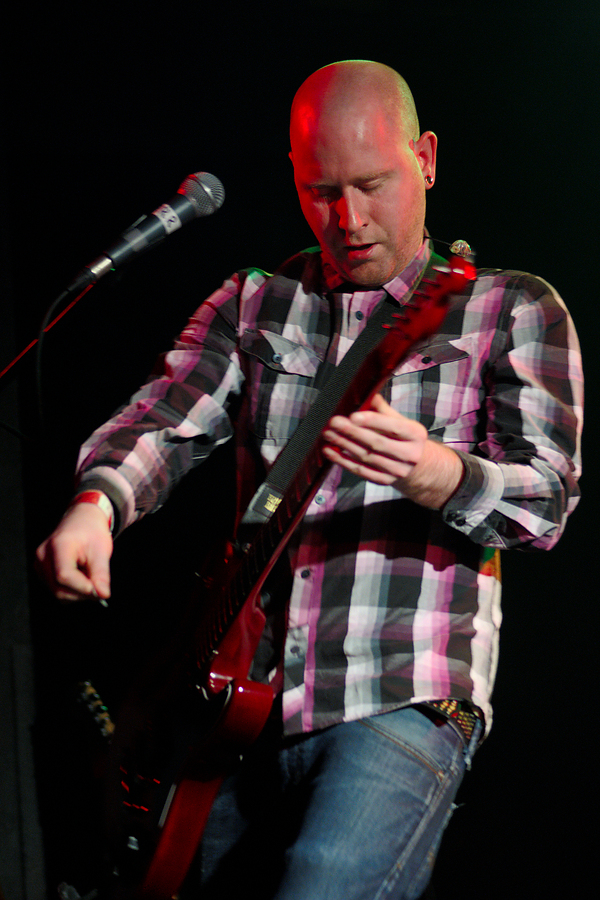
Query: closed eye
x=372 y=184
x=331 y=193
x=324 y=192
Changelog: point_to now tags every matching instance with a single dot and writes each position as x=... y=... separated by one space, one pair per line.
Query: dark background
x=109 y=108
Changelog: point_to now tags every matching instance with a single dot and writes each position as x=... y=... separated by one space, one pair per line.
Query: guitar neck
x=415 y=321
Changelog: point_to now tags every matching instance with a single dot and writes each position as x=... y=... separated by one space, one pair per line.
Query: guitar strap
x=289 y=461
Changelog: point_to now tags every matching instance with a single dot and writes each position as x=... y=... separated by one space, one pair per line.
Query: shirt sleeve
x=177 y=418
x=520 y=482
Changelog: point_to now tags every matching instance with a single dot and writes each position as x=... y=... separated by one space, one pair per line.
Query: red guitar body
x=185 y=726
x=180 y=732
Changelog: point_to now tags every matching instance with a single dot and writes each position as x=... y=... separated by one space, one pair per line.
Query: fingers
x=72 y=574
x=74 y=561
x=378 y=444
x=372 y=466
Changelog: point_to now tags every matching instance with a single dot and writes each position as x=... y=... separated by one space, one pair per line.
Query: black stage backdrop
x=110 y=107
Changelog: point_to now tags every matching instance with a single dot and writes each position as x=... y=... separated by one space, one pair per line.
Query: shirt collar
x=396 y=287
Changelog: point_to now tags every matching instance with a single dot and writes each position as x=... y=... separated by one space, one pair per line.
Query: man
x=389 y=655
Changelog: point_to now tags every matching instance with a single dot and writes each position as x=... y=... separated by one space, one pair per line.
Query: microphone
x=200 y=194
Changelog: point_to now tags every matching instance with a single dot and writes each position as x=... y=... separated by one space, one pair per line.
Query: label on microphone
x=169 y=218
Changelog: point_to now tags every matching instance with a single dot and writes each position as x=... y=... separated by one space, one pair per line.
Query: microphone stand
x=47 y=323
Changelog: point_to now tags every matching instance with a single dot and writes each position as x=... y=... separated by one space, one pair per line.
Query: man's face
x=360 y=181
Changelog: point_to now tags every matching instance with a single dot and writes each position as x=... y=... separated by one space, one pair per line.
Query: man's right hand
x=74 y=560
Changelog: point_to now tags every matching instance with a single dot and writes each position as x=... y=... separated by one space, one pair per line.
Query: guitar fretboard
x=417 y=320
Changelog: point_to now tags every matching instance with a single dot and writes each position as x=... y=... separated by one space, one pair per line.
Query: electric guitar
x=186 y=725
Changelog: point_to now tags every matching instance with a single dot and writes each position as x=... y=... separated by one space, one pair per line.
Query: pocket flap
x=279 y=353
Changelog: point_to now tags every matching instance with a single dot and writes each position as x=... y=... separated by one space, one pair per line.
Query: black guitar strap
x=289 y=461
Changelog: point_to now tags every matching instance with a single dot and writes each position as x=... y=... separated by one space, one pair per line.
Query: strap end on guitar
x=263 y=505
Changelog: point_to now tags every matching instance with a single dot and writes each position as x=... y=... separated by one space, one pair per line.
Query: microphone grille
x=205 y=191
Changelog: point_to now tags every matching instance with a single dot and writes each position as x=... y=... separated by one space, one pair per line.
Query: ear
x=425 y=150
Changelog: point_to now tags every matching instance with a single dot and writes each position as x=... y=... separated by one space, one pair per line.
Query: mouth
x=359 y=252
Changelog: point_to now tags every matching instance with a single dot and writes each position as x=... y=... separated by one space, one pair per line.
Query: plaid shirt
x=390 y=603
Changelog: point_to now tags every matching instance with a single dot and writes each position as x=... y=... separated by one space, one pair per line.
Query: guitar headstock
x=423 y=314
x=459 y=270
x=419 y=318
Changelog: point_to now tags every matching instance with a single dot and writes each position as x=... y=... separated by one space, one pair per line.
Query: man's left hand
x=383 y=446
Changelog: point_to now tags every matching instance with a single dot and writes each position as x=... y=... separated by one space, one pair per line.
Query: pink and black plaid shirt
x=390 y=603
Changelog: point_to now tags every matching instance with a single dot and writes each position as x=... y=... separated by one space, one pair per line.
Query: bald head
x=332 y=93
x=361 y=169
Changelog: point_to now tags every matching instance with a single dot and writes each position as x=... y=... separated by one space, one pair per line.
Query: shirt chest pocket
x=441 y=386
x=280 y=373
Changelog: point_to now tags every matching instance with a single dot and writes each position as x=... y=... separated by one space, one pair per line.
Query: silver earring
x=428 y=179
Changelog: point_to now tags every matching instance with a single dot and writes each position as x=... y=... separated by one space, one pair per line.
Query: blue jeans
x=355 y=812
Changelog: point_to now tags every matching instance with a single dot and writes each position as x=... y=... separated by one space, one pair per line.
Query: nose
x=350 y=212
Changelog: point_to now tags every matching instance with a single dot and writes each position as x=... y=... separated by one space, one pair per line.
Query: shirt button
x=277 y=357
x=426 y=359
x=319 y=499
x=305 y=573
x=359 y=315
x=458 y=519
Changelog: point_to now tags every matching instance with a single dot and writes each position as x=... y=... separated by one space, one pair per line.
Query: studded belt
x=459 y=713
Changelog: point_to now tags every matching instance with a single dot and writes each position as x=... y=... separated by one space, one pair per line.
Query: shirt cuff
x=472 y=507
x=116 y=488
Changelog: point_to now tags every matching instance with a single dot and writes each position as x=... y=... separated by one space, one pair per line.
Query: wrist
x=436 y=477
x=96 y=498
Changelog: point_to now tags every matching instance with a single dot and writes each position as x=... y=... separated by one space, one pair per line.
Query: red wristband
x=98 y=499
